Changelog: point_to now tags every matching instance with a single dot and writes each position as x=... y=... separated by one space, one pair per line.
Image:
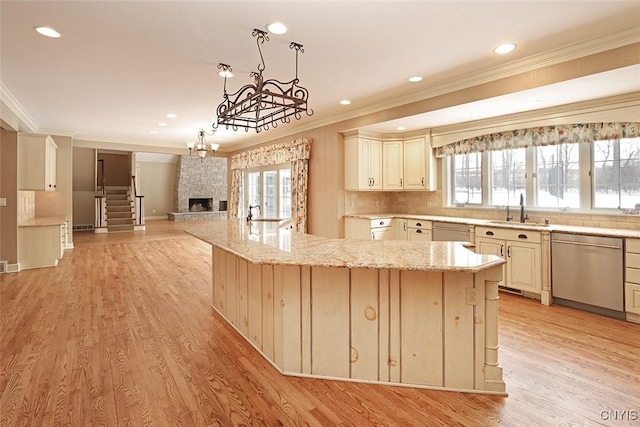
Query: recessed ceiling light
x=401 y=128
x=345 y=102
x=171 y=116
x=415 y=79
x=504 y=48
x=47 y=31
x=153 y=132
x=162 y=124
x=277 y=28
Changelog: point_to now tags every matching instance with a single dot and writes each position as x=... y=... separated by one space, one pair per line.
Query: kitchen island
x=420 y=314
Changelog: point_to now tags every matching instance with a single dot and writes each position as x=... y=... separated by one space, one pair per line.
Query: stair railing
x=101 y=199
x=139 y=218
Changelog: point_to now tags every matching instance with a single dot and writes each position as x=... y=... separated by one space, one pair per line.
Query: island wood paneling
x=401 y=326
x=254 y=314
x=458 y=320
x=330 y=322
x=365 y=326
x=421 y=352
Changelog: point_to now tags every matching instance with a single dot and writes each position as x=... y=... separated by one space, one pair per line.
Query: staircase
x=119 y=210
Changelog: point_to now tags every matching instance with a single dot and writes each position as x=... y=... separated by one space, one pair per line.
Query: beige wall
x=117 y=169
x=156 y=182
x=9 y=190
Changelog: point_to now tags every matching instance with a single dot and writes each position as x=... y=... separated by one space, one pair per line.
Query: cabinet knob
x=419 y=231
x=419 y=224
x=423 y=181
x=381 y=222
x=522 y=236
x=489 y=233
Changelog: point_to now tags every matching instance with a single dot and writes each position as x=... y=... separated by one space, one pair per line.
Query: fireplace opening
x=200 y=205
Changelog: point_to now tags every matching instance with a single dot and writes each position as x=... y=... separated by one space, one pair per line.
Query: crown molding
x=23 y=116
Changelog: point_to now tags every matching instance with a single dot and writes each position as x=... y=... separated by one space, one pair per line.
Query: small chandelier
x=201 y=146
x=263 y=104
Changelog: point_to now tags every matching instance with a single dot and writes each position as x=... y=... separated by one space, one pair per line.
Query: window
x=467 y=178
x=508 y=169
x=616 y=173
x=558 y=176
x=270 y=188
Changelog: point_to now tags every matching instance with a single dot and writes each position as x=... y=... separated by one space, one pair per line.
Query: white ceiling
x=121 y=66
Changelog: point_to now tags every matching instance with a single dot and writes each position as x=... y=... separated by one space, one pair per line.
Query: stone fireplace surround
x=198 y=178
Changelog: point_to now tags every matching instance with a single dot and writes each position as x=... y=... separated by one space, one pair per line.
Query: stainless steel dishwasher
x=587 y=273
x=449 y=232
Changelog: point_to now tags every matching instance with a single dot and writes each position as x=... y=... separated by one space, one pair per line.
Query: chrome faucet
x=523 y=216
x=250 y=215
x=509 y=217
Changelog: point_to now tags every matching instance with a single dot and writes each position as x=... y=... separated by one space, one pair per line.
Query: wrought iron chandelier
x=201 y=146
x=265 y=103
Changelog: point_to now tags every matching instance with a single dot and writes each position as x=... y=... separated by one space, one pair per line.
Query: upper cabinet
x=363 y=163
x=36 y=162
x=405 y=164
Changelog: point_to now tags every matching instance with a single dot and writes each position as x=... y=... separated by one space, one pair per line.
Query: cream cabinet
x=363 y=163
x=36 y=162
x=401 y=229
x=521 y=249
x=632 y=280
x=408 y=165
x=368 y=229
x=419 y=230
x=40 y=246
x=392 y=165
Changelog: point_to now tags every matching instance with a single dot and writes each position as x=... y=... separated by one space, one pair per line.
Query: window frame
x=244 y=190
x=586 y=158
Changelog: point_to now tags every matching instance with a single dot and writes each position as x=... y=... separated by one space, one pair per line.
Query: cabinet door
x=415 y=164
x=524 y=266
x=487 y=246
x=416 y=234
x=401 y=230
x=51 y=165
x=383 y=233
x=364 y=178
x=392 y=165
x=375 y=164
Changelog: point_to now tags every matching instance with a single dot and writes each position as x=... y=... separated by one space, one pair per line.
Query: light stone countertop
x=572 y=229
x=265 y=243
x=43 y=221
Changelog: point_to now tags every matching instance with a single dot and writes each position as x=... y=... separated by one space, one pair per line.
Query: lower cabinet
x=522 y=251
x=419 y=230
x=40 y=246
x=368 y=229
x=632 y=280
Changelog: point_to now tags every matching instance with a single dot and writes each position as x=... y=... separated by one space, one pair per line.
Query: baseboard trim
x=5 y=267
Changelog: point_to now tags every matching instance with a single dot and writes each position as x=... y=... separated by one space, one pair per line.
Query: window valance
x=542 y=135
x=298 y=149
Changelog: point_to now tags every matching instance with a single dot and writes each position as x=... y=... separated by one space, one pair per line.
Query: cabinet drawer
x=419 y=223
x=381 y=222
x=633 y=260
x=632 y=298
x=516 y=235
x=633 y=245
x=632 y=275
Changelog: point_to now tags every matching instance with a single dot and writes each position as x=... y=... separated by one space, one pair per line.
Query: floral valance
x=543 y=135
x=275 y=154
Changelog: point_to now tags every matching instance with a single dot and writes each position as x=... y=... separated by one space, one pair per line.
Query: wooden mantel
x=420 y=314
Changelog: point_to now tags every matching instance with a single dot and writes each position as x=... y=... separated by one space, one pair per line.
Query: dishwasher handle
x=594 y=245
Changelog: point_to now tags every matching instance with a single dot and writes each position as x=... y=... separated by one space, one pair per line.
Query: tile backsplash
x=430 y=203
x=26 y=205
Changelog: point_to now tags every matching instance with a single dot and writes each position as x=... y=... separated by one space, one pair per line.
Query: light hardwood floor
x=122 y=333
